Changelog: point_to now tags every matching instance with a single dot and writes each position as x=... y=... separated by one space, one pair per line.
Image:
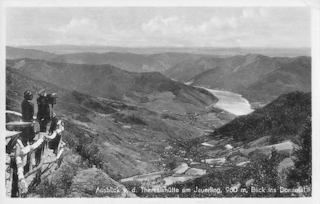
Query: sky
x=160 y=27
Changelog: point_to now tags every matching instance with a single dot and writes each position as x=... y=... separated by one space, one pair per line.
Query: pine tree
x=300 y=174
x=272 y=168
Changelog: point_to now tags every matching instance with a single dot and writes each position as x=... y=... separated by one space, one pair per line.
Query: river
x=231 y=102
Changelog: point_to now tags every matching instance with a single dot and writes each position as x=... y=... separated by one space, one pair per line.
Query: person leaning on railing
x=24 y=143
x=54 y=136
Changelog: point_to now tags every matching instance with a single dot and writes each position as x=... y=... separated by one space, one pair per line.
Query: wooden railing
x=26 y=160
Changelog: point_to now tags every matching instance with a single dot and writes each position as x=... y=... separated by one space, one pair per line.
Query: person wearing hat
x=27 y=107
x=43 y=114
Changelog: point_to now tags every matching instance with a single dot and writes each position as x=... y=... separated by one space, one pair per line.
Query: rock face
x=70 y=178
x=95 y=183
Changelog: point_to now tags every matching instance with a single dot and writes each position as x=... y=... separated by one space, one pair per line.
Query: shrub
x=135 y=120
x=133 y=185
x=300 y=174
x=172 y=163
x=167 y=116
x=47 y=189
x=58 y=186
x=83 y=118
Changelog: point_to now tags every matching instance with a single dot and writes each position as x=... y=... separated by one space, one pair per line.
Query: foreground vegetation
x=260 y=178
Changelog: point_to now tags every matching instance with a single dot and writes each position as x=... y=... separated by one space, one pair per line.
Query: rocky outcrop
x=95 y=183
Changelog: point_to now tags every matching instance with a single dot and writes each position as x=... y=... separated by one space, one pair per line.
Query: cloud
x=161 y=27
x=249 y=27
x=250 y=13
x=78 y=25
x=78 y=31
x=210 y=32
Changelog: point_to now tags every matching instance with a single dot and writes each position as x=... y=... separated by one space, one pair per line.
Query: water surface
x=231 y=102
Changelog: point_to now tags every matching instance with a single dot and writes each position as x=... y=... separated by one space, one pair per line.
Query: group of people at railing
x=26 y=148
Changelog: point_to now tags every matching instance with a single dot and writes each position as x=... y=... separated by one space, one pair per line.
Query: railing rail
x=22 y=165
x=27 y=160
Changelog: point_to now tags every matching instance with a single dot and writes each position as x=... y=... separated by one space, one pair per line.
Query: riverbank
x=231 y=102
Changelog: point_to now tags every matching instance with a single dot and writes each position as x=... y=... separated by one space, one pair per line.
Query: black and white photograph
x=124 y=100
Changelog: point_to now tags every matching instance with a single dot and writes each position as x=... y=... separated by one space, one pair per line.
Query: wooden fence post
x=15 y=180
x=38 y=155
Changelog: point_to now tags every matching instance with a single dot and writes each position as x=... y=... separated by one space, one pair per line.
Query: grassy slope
x=98 y=123
x=284 y=116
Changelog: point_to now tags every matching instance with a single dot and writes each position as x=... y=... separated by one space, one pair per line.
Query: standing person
x=43 y=115
x=27 y=133
x=27 y=109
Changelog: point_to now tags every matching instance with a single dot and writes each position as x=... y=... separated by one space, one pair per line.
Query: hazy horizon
x=204 y=47
x=217 y=51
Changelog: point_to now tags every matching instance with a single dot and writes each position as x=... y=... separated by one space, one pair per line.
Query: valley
x=128 y=138
x=142 y=130
x=220 y=151
x=258 y=76
x=198 y=99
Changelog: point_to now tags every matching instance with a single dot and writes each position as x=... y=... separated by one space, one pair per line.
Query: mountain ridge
x=120 y=124
x=107 y=81
x=221 y=51
x=250 y=75
x=92 y=123
x=124 y=60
